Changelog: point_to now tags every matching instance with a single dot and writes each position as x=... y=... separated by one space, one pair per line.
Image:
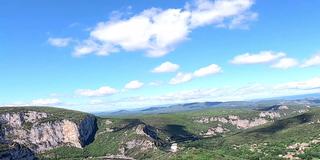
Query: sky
x=108 y=55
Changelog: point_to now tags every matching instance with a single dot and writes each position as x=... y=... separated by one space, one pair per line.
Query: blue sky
x=107 y=55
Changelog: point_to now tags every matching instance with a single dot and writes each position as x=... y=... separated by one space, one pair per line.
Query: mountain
x=310 y=99
x=301 y=96
x=162 y=109
x=263 y=130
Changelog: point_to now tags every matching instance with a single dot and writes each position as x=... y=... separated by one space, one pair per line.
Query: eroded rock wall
x=44 y=136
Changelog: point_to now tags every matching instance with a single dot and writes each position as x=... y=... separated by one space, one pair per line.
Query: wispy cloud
x=166 y=67
x=206 y=71
x=59 y=42
x=46 y=102
x=202 y=72
x=256 y=58
x=181 y=78
x=223 y=93
x=102 y=91
x=134 y=85
x=310 y=84
x=285 y=63
x=312 y=61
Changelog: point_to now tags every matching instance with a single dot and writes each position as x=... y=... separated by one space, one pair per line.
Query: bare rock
x=271 y=115
x=45 y=136
x=236 y=121
x=283 y=108
x=142 y=144
x=17 y=119
x=214 y=131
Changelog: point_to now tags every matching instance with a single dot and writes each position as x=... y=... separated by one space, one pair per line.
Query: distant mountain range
x=307 y=99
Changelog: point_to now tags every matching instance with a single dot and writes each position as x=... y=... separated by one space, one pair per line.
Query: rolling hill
x=276 y=131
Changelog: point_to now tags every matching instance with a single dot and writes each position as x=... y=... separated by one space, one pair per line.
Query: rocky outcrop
x=270 y=115
x=17 y=151
x=141 y=144
x=42 y=136
x=283 y=108
x=49 y=135
x=149 y=137
x=214 y=131
x=299 y=148
x=16 y=120
x=235 y=120
x=245 y=123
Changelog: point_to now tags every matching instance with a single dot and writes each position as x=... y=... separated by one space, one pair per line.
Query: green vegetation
x=54 y=114
x=265 y=142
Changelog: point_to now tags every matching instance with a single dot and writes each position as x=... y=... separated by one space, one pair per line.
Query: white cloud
x=157 y=32
x=208 y=12
x=209 y=70
x=134 y=85
x=285 y=63
x=202 y=72
x=102 y=91
x=181 y=78
x=313 y=83
x=261 y=57
x=46 y=102
x=91 y=46
x=223 y=93
x=313 y=61
x=166 y=67
x=59 y=42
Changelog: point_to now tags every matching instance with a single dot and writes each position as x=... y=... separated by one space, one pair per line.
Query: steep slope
x=42 y=129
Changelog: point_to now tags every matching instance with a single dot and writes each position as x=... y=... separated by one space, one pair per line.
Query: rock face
x=235 y=120
x=17 y=119
x=214 y=131
x=142 y=144
x=271 y=115
x=87 y=128
x=17 y=151
x=26 y=128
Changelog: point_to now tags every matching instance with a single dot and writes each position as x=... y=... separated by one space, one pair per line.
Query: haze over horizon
x=103 y=56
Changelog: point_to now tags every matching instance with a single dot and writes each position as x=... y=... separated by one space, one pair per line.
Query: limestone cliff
x=39 y=133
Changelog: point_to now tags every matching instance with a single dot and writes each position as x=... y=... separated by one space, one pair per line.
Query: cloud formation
x=166 y=67
x=223 y=93
x=134 y=85
x=285 y=63
x=209 y=70
x=313 y=61
x=202 y=72
x=181 y=78
x=59 y=42
x=313 y=83
x=256 y=58
x=46 y=102
x=102 y=91
x=157 y=32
